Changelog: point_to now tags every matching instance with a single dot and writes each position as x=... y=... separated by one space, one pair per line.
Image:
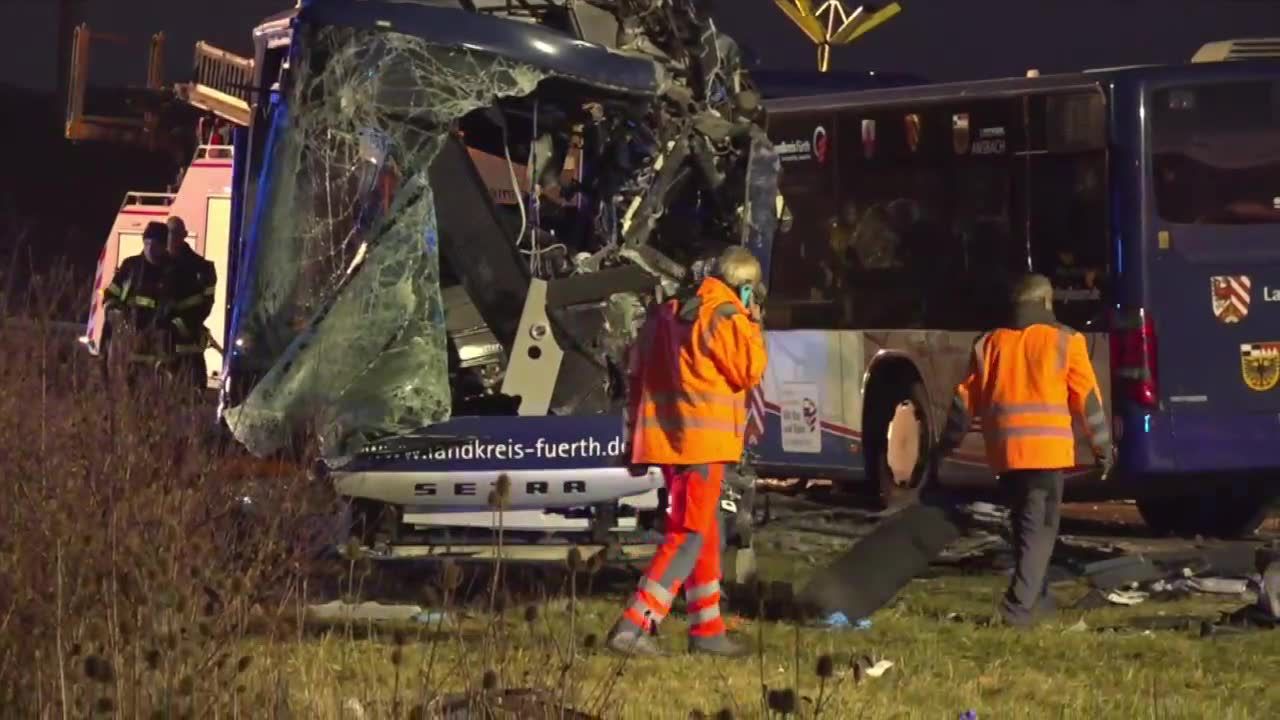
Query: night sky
x=936 y=39
x=64 y=196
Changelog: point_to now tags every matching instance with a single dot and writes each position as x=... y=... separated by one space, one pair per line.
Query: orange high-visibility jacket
x=1026 y=382
x=690 y=372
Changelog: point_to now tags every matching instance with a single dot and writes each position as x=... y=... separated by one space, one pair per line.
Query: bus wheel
x=1222 y=514
x=897 y=436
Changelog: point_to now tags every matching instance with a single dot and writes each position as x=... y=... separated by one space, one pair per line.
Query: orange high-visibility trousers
x=689 y=554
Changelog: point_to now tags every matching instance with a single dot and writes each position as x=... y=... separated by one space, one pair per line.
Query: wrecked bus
x=433 y=337
x=1149 y=195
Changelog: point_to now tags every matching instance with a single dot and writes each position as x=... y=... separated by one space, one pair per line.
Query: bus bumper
x=1199 y=444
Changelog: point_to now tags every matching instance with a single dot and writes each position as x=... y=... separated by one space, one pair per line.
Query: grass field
x=942 y=666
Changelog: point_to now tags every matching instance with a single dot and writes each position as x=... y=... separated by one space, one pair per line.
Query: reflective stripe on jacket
x=194 y=285
x=143 y=293
x=1026 y=382
x=690 y=372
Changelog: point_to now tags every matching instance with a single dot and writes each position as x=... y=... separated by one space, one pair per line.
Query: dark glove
x=739 y=478
x=1106 y=461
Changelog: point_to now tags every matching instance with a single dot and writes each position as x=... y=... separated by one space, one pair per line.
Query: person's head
x=1033 y=289
x=155 y=239
x=849 y=212
x=177 y=234
x=737 y=268
x=903 y=214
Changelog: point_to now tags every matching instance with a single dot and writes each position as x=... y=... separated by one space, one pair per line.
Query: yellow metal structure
x=221 y=86
x=138 y=130
x=831 y=23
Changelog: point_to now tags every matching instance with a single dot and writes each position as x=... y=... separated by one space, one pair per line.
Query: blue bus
x=1151 y=197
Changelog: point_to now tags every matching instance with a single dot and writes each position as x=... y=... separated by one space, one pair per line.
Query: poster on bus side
x=801 y=423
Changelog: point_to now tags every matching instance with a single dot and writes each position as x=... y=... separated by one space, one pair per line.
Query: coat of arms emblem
x=960 y=133
x=1229 y=295
x=1260 y=365
x=912 y=123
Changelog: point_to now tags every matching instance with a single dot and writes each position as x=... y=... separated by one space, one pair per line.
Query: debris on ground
x=839 y=621
x=1206 y=585
x=1126 y=597
x=878 y=669
x=877 y=554
x=987 y=512
x=432 y=617
x=363 y=612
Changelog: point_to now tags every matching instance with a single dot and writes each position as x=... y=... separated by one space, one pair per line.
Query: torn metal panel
x=871 y=573
x=476 y=243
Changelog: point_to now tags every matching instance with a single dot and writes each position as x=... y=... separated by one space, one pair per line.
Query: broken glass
x=760 y=212
x=342 y=318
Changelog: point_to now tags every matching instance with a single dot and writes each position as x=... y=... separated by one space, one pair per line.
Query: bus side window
x=1069 y=233
x=799 y=294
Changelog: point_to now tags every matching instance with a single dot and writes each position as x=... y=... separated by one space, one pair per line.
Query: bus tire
x=875 y=446
x=1222 y=514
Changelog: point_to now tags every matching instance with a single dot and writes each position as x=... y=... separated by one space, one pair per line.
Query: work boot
x=717 y=645
x=625 y=639
x=1045 y=608
x=1011 y=616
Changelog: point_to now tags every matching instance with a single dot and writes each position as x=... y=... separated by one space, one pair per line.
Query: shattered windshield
x=344 y=316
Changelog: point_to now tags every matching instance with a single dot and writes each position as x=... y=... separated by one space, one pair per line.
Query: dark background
x=62 y=198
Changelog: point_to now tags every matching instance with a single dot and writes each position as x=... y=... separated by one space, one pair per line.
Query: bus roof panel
x=1013 y=87
x=534 y=45
x=926 y=94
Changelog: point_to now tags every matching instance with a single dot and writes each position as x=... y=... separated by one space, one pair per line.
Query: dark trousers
x=1035 y=502
x=189 y=369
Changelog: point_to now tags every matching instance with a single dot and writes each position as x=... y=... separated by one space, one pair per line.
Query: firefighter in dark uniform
x=137 y=303
x=194 y=281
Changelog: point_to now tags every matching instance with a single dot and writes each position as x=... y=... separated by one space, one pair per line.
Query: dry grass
x=134 y=583
x=130 y=569
x=941 y=668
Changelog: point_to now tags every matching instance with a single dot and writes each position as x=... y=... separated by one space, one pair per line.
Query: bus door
x=1068 y=239
x=1214 y=268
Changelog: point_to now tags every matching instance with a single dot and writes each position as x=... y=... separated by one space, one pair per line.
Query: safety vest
x=690 y=371
x=1026 y=382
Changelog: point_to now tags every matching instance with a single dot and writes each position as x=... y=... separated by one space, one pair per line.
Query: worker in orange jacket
x=1026 y=380
x=691 y=369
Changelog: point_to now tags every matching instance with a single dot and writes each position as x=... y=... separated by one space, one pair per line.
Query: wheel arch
x=886 y=369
